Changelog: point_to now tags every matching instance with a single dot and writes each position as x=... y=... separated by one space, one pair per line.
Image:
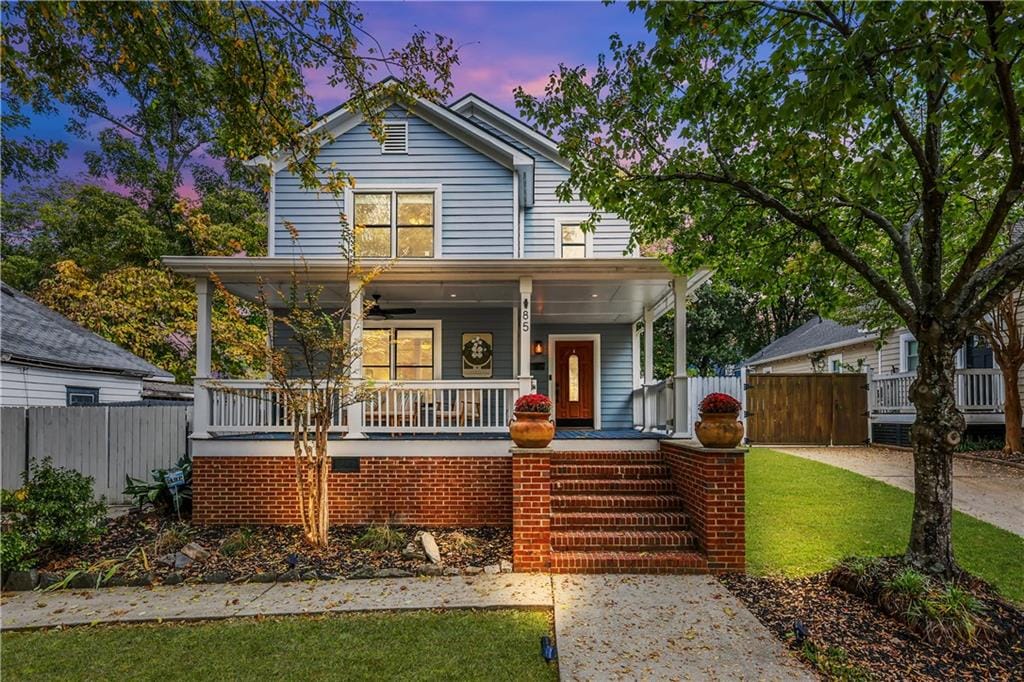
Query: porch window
x=978 y=354
x=394 y=224
x=403 y=354
x=574 y=242
x=910 y=348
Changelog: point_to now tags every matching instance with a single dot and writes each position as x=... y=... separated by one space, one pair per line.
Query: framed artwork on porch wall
x=477 y=355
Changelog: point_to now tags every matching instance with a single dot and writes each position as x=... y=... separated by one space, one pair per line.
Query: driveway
x=989 y=492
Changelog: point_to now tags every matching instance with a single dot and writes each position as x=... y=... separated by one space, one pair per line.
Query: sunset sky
x=502 y=45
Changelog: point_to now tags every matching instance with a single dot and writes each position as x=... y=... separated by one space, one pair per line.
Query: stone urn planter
x=532 y=426
x=719 y=426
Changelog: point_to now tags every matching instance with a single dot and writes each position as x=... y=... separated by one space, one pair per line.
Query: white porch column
x=525 y=322
x=682 y=400
x=204 y=354
x=650 y=406
x=355 y=337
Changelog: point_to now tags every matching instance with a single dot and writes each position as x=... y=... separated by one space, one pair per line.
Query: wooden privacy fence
x=105 y=442
x=807 y=409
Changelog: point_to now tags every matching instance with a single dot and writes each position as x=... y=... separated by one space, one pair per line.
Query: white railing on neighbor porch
x=405 y=407
x=654 y=405
x=977 y=390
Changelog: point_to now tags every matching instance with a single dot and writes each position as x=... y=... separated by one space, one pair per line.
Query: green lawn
x=463 y=645
x=803 y=517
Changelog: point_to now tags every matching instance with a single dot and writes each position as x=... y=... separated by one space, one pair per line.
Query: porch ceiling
x=604 y=290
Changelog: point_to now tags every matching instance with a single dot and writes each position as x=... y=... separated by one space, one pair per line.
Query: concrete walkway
x=607 y=627
x=986 y=491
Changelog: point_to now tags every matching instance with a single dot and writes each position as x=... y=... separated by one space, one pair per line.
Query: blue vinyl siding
x=611 y=236
x=476 y=197
x=616 y=368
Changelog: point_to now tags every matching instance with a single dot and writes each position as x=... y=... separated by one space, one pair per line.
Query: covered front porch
x=565 y=328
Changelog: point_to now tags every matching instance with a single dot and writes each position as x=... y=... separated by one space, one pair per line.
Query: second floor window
x=394 y=224
x=911 y=353
x=574 y=242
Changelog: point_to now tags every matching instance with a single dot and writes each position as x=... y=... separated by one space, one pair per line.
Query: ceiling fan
x=375 y=312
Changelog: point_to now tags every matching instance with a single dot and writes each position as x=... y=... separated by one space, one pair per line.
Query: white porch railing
x=654 y=405
x=977 y=390
x=406 y=407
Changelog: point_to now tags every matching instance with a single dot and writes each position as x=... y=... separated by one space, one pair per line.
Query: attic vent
x=396 y=139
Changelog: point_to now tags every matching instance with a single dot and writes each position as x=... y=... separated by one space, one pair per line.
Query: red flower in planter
x=533 y=402
x=719 y=403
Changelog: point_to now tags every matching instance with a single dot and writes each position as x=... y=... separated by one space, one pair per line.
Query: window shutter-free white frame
x=396 y=139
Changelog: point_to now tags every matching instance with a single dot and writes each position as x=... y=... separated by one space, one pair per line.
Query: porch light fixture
x=538 y=348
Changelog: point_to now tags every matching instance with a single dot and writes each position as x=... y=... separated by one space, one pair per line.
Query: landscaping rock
x=173 y=579
x=472 y=570
x=165 y=559
x=310 y=575
x=176 y=560
x=263 y=578
x=429 y=569
x=451 y=570
x=506 y=566
x=217 y=577
x=291 y=576
x=412 y=552
x=22 y=581
x=492 y=569
x=391 y=573
x=47 y=579
x=84 y=581
x=362 y=573
x=430 y=548
x=141 y=580
x=196 y=552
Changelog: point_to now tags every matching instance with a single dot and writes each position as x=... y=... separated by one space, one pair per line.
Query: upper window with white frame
x=909 y=353
x=394 y=224
x=573 y=242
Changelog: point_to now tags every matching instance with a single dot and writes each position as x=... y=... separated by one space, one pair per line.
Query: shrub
x=16 y=551
x=158 y=494
x=533 y=402
x=237 y=542
x=54 y=511
x=382 y=538
x=719 y=403
x=950 y=615
x=462 y=542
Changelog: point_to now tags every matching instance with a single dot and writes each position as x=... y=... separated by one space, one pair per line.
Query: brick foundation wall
x=427 y=491
x=711 y=483
x=531 y=518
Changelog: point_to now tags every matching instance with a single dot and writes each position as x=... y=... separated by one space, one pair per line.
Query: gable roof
x=476 y=106
x=816 y=334
x=33 y=334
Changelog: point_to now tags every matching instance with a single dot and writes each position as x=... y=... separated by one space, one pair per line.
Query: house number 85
x=526 y=314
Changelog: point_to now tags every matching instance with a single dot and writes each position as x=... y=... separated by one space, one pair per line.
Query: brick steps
x=618 y=512
x=608 y=470
x=612 y=486
x=613 y=503
x=628 y=562
x=625 y=540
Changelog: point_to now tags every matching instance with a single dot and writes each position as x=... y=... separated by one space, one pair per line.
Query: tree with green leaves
x=877 y=142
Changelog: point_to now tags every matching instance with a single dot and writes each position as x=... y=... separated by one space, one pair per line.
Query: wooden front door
x=574 y=383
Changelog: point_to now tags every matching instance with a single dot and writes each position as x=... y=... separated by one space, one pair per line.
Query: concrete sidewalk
x=607 y=627
x=989 y=492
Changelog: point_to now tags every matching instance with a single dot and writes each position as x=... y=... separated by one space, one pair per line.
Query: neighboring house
x=48 y=360
x=821 y=345
x=499 y=293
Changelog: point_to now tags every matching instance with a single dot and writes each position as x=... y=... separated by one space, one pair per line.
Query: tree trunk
x=1012 y=410
x=937 y=430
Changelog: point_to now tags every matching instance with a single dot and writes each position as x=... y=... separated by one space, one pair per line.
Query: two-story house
x=492 y=290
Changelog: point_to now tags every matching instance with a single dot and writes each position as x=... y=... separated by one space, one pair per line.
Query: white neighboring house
x=821 y=345
x=48 y=360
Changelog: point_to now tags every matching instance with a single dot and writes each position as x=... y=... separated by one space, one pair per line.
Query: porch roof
x=592 y=290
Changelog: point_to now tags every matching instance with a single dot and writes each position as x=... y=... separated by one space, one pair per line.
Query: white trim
x=405 y=136
x=434 y=325
x=833 y=358
x=553 y=373
x=410 y=447
x=515 y=340
x=396 y=188
x=588 y=238
x=271 y=217
x=515 y=215
x=510 y=125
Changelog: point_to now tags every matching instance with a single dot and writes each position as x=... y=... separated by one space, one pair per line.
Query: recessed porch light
x=593 y=296
x=452 y=295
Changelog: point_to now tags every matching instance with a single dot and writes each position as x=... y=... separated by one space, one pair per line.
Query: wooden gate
x=807 y=409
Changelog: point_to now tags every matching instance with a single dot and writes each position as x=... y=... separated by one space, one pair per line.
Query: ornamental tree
x=877 y=142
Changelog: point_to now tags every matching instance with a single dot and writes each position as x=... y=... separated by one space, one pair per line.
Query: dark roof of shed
x=812 y=335
x=32 y=333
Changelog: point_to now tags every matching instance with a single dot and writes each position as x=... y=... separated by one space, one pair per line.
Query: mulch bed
x=996 y=455
x=880 y=646
x=270 y=548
